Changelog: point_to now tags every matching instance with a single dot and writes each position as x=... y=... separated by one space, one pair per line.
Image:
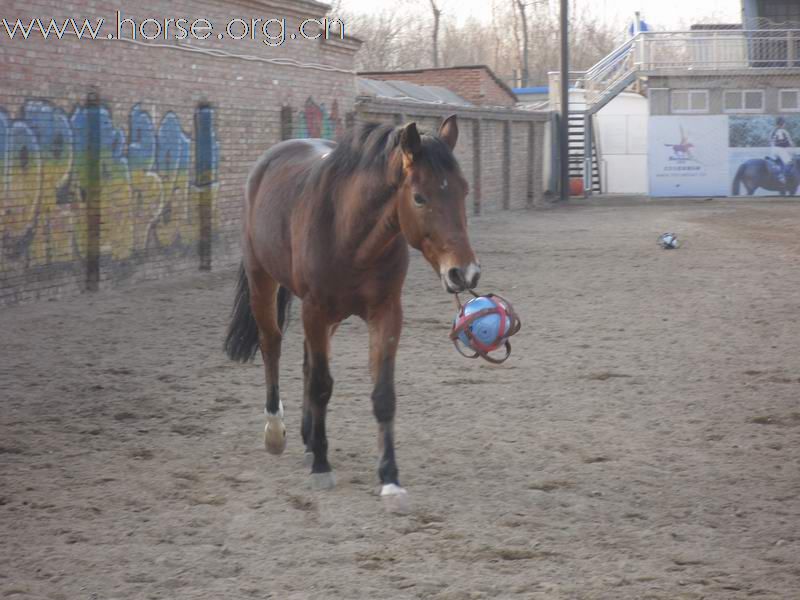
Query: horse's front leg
x=317 y=392
x=385 y=324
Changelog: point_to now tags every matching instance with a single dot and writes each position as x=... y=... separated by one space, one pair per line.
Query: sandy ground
x=642 y=442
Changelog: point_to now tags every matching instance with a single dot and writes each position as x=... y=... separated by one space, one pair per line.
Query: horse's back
x=294 y=155
x=275 y=190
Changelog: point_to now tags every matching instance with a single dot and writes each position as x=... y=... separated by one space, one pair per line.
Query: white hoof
x=308 y=459
x=323 y=481
x=395 y=499
x=275 y=435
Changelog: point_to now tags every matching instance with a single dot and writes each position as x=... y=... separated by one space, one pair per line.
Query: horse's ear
x=410 y=142
x=448 y=131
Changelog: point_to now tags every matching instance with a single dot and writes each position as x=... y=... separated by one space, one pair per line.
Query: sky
x=661 y=14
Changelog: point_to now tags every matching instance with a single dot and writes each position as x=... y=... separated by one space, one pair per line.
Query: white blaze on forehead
x=444 y=184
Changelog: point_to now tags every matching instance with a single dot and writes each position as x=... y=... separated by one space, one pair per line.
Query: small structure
x=475 y=83
x=499 y=148
x=532 y=98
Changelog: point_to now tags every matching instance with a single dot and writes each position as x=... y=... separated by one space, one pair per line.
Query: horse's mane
x=368 y=147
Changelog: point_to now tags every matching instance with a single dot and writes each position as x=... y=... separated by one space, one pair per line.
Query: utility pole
x=564 y=131
x=526 y=74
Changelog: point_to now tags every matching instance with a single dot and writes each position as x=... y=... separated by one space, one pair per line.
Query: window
x=789 y=100
x=779 y=11
x=689 y=101
x=743 y=101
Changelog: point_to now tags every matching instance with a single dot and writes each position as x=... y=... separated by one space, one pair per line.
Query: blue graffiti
x=142 y=146
x=51 y=128
x=112 y=140
x=172 y=146
x=43 y=159
x=207 y=149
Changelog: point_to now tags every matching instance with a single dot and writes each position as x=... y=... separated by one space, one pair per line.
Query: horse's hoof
x=323 y=481
x=395 y=499
x=308 y=459
x=275 y=435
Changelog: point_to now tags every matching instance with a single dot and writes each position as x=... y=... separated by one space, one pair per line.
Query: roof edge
x=497 y=80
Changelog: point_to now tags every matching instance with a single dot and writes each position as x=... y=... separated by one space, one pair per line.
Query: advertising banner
x=723 y=155
x=688 y=155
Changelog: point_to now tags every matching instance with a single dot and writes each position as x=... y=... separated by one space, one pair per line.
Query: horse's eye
x=419 y=200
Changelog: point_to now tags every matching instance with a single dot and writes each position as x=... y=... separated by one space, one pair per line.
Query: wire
x=216 y=53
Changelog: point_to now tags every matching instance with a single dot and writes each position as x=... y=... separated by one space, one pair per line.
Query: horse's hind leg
x=306 y=425
x=263 y=301
x=317 y=392
x=384 y=334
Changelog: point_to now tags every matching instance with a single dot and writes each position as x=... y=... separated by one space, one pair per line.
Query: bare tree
x=525 y=53
x=521 y=35
x=437 y=15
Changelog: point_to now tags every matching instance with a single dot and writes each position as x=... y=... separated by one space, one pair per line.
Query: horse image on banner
x=762 y=155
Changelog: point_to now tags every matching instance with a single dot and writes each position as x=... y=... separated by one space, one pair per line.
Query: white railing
x=719 y=50
x=652 y=52
x=601 y=79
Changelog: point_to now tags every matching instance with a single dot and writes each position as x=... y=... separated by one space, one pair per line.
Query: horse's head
x=431 y=208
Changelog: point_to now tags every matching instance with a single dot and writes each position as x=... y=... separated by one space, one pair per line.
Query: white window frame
x=742 y=93
x=689 y=110
x=781 y=107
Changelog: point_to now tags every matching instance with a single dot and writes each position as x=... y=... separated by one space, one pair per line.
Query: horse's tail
x=241 y=342
x=737 y=180
x=284 y=304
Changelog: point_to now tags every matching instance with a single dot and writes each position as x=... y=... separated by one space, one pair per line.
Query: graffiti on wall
x=316 y=121
x=150 y=187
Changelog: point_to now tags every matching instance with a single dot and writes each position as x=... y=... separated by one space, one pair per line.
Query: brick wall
x=519 y=164
x=122 y=161
x=476 y=84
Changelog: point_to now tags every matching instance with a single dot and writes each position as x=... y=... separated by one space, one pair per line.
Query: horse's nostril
x=456 y=277
x=475 y=277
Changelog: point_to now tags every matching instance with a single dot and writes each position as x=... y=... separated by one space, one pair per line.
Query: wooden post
x=531 y=162
x=564 y=131
x=587 y=155
x=476 y=167
x=93 y=191
x=204 y=167
x=506 y=165
x=286 y=122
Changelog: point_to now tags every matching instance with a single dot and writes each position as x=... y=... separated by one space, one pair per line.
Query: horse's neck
x=368 y=224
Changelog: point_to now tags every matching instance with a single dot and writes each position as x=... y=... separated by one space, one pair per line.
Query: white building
x=704 y=120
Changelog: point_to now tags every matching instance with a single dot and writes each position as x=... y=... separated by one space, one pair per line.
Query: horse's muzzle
x=457 y=280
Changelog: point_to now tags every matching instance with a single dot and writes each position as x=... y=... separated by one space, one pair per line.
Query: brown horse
x=331 y=224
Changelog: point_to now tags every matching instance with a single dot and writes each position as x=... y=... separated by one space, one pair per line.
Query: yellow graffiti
x=23 y=191
x=115 y=202
x=144 y=207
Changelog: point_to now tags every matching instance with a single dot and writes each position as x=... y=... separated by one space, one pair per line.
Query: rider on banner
x=780 y=140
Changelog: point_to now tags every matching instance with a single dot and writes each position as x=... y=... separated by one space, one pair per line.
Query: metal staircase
x=600 y=85
x=578 y=146
x=602 y=82
x=665 y=52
